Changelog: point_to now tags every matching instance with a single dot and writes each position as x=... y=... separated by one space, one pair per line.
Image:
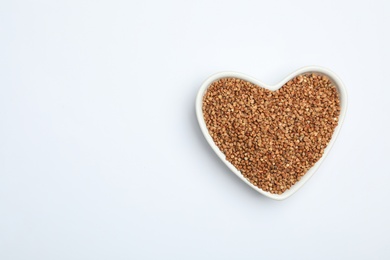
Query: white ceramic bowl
x=343 y=102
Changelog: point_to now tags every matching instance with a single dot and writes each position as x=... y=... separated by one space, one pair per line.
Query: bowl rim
x=308 y=69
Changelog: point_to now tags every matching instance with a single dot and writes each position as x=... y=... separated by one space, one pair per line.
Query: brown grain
x=272 y=137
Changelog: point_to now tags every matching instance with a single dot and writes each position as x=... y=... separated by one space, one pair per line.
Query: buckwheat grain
x=272 y=137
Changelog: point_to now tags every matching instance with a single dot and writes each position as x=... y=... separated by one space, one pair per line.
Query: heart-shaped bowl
x=310 y=69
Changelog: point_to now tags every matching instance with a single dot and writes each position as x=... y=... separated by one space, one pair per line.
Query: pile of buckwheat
x=272 y=137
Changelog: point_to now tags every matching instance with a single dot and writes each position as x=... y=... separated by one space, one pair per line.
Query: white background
x=101 y=156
